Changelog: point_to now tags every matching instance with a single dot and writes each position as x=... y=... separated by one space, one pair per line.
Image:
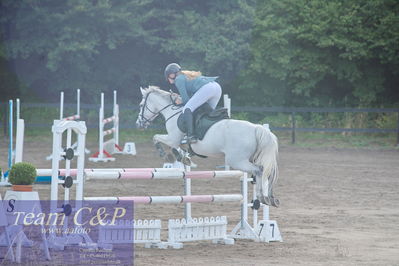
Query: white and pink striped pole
x=162 y=175
x=145 y=173
x=171 y=199
x=48 y=172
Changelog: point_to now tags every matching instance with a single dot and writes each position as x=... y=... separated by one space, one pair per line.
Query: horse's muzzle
x=141 y=124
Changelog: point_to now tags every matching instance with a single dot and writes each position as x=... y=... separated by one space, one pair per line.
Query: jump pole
x=187 y=176
x=171 y=199
x=264 y=230
x=100 y=171
x=143 y=173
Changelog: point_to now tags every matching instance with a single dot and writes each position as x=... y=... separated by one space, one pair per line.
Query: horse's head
x=154 y=101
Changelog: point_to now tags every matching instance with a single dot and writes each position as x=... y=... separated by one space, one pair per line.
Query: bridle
x=155 y=114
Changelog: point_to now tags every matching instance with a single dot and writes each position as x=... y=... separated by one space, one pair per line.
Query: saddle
x=204 y=117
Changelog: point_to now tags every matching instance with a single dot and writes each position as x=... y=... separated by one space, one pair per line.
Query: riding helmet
x=172 y=68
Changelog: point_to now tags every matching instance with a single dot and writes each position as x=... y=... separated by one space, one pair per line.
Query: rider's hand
x=178 y=101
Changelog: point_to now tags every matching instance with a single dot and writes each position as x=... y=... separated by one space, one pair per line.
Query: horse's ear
x=142 y=91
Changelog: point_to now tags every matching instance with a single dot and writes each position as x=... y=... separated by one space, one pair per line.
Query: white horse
x=247 y=147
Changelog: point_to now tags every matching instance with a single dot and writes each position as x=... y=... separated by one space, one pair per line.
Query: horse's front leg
x=175 y=153
x=160 y=141
x=167 y=140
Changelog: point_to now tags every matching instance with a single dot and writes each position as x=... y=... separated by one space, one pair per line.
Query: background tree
x=105 y=45
x=285 y=52
x=320 y=53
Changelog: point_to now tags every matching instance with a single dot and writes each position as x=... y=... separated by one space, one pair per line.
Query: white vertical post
x=101 y=128
x=187 y=192
x=244 y=204
x=18 y=109
x=80 y=172
x=68 y=164
x=266 y=212
x=227 y=104
x=10 y=133
x=78 y=103
x=59 y=127
x=80 y=166
x=114 y=97
x=79 y=175
x=254 y=212
x=57 y=137
x=19 y=141
x=62 y=105
x=266 y=207
x=102 y=156
x=116 y=121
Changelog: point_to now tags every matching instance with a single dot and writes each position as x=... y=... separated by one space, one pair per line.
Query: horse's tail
x=266 y=156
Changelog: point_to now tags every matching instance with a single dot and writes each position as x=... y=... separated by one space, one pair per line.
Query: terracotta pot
x=22 y=187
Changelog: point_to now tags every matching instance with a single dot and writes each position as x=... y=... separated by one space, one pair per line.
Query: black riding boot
x=189 y=138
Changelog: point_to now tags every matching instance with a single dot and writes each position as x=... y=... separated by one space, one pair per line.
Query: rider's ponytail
x=191 y=74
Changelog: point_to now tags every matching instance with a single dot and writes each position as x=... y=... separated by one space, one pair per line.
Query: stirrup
x=189 y=140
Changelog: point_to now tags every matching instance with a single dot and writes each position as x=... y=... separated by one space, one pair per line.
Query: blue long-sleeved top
x=187 y=87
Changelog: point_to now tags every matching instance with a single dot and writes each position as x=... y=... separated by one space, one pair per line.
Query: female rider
x=194 y=90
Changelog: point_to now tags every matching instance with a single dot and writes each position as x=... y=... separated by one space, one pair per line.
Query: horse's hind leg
x=257 y=171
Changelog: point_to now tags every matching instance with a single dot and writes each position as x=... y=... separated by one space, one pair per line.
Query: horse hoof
x=265 y=200
x=177 y=154
x=169 y=158
x=160 y=149
x=274 y=202
x=186 y=161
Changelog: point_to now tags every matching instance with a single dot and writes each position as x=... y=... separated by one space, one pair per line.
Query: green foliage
x=9 y=85
x=320 y=53
x=240 y=116
x=105 y=45
x=277 y=120
x=268 y=53
x=22 y=174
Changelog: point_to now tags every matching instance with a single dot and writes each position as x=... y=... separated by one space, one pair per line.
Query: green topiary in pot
x=22 y=174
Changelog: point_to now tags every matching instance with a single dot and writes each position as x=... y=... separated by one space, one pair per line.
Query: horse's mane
x=157 y=90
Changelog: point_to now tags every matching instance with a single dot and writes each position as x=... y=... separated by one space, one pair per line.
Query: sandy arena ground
x=338 y=207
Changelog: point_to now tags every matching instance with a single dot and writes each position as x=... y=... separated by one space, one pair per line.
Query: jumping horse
x=246 y=146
